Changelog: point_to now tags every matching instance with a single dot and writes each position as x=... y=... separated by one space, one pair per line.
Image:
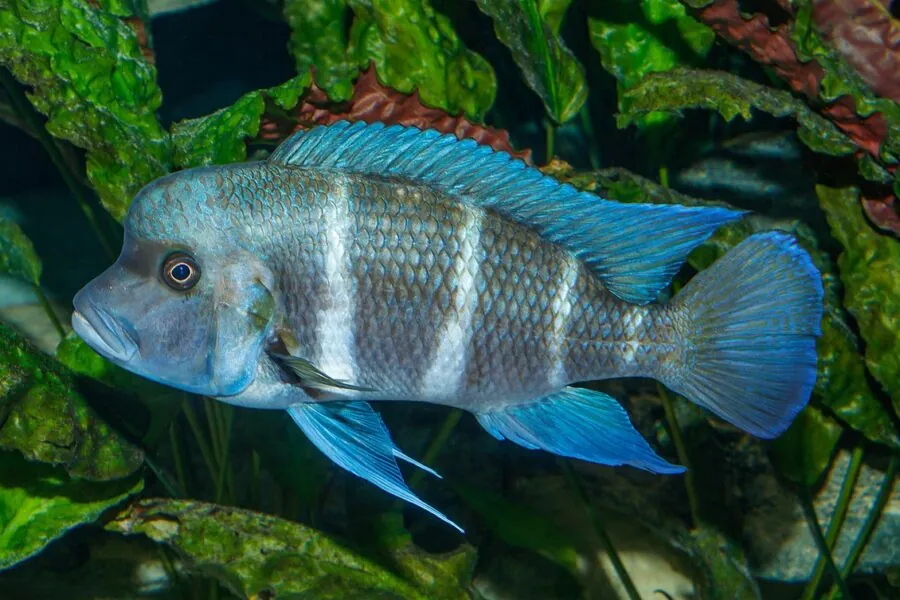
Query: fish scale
x=362 y=262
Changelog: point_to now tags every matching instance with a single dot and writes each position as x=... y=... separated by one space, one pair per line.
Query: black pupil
x=181 y=272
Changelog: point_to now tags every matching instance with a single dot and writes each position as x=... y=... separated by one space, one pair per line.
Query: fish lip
x=109 y=336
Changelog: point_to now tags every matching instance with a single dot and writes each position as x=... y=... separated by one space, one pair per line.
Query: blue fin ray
x=578 y=423
x=353 y=435
x=755 y=315
x=634 y=248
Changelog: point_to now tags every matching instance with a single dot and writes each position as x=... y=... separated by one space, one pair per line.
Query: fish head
x=185 y=304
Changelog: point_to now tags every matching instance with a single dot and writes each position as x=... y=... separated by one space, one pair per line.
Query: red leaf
x=373 y=102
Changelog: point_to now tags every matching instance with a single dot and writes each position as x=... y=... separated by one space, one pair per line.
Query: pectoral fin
x=353 y=436
x=312 y=377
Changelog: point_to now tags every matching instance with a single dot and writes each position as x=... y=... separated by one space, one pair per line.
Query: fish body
x=364 y=263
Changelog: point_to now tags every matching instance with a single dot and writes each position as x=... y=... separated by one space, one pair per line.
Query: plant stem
x=226 y=420
x=28 y=114
x=681 y=451
x=550 y=131
x=605 y=541
x=51 y=314
x=212 y=424
x=437 y=444
x=588 y=125
x=191 y=417
x=859 y=545
x=255 y=479
x=176 y=453
x=837 y=519
x=821 y=543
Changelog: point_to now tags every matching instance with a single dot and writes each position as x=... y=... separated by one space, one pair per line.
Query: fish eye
x=180 y=272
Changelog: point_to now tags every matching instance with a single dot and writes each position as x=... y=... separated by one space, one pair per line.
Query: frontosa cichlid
x=364 y=262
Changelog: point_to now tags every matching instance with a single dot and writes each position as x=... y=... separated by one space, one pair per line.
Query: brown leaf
x=373 y=102
x=865 y=35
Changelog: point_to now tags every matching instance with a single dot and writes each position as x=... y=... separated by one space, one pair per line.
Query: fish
x=362 y=263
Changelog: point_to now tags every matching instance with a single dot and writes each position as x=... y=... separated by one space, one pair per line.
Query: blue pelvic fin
x=635 y=249
x=754 y=315
x=353 y=435
x=578 y=423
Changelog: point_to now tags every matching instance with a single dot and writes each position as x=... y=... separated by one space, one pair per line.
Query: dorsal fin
x=635 y=249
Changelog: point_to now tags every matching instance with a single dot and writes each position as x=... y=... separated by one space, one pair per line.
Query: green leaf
x=252 y=553
x=868 y=270
x=730 y=96
x=17 y=256
x=804 y=451
x=842 y=383
x=650 y=36
x=726 y=570
x=319 y=41
x=45 y=418
x=530 y=29
x=415 y=47
x=221 y=137
x=89 y=77
x=523 y=527
x=39 y=503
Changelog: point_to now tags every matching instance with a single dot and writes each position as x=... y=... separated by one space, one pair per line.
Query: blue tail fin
x=579 y=423
x=752 y=320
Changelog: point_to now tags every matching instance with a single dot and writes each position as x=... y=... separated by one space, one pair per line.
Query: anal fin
x=577 y=423
x=353 y=435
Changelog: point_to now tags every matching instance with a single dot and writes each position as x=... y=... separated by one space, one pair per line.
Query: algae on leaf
x=531 y=30
x=868 y=270
x=802 y=454
x=17 y=256
x=252 y=553
x=415 y=47
x=39 y=503
x=44 y=417
x=730 y=96
x=85 y=66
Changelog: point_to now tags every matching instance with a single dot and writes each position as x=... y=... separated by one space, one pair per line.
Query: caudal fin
x=752 y=320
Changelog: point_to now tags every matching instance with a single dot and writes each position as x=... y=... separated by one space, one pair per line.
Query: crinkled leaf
x=840 y=79
x=842 y=383
x=45 y=418
x=530 y=29
x=88 y=75
x=523 y=527
x=730 y=96
x=415 y=47
x=637 y=38
x=319 y=41
x=804 y=451
x=253 y=554
x=868 y=270
x=17 y=256
x=162 y=403
x=222 y=136
x=39 y=503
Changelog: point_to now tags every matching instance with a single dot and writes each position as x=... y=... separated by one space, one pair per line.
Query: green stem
x=588 y=125
x=681 y=450
x=176 y=454
x=837 y=519
x=205 y=451
x=550 y=130
x=437 y=444
x=226 y=420
x=821 y=543
x=212 y=424
x=51 y=314
x=859 y=545
x=28 y=114
x=255 y=479
x=605 y=541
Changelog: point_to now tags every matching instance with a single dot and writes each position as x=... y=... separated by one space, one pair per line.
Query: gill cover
x=244 y=311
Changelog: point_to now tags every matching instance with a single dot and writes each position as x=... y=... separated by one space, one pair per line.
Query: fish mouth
x=105 y=334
